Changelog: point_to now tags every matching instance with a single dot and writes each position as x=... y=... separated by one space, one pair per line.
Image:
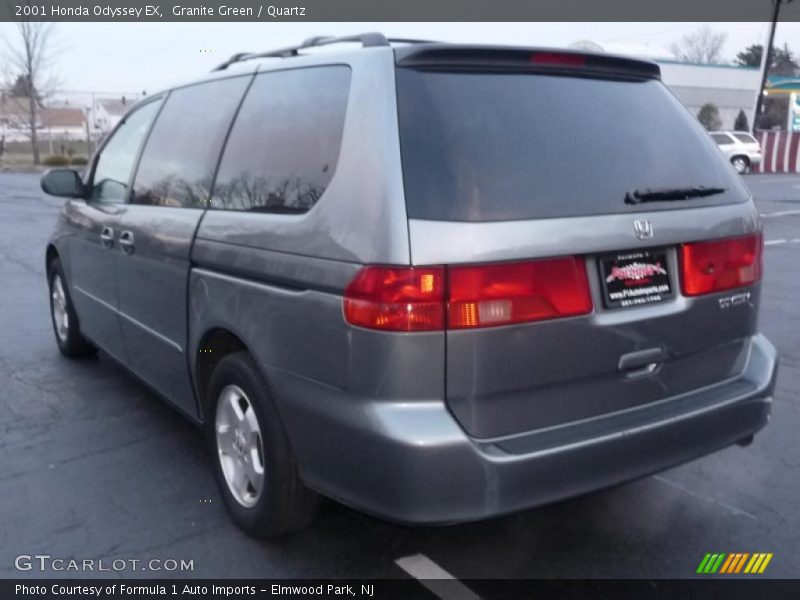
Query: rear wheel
x=62 y=314
x=740 y=163
x=253 y=463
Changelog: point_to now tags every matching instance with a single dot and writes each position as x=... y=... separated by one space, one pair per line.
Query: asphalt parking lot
x=93 y=465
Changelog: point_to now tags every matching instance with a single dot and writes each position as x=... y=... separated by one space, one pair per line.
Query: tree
x=773 y=113
x=783 y=60
x=701 y=46
x=750 y=56
x=21 y=88
x=709 y=116
x=740 y=124
x=27 y=62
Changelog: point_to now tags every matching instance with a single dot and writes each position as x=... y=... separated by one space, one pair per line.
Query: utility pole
x=88 y=134
x=767 y=59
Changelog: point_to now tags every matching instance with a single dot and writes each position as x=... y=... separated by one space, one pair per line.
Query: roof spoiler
x=549 y=60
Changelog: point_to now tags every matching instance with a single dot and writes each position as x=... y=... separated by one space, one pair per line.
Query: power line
x=96 y=92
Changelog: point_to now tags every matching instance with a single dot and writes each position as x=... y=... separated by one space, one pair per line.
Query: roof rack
x=367 y=40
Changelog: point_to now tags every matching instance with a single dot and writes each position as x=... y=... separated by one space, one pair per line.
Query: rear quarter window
x=721 y=138
x=745 y=138
x=512 y=146
x=284 y=146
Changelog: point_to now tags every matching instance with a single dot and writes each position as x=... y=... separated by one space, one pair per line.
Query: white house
x=53 y=123
x=109 y=111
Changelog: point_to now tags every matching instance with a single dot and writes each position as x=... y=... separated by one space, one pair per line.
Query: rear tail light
x=396 y=298
x=419 y=298
x=708 y=267
x=483 y=296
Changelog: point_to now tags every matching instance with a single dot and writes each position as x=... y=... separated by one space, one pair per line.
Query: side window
x=746 y=138
x=284 y=146
x=721 y=139
x=115 y=163
x=180 y=155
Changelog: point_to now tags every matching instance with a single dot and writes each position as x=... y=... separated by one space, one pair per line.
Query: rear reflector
x=488 y=295
x=415 y=298
x=396 y=298
x=558 y=58
x=708 y=267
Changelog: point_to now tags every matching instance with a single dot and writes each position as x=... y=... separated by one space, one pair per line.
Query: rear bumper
x=411 y=462
x=755 y=158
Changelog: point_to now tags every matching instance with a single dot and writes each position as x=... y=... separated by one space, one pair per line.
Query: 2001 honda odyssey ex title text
x=397 y=276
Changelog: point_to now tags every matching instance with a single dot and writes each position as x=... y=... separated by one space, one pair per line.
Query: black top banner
x=399 y=10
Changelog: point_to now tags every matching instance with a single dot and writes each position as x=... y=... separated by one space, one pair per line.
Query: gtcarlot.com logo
x=736 y=562
x=45 y=562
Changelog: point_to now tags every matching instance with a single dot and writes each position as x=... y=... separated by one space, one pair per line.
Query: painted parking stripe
x=435 y=578
x=781 y=213
x=781 y=241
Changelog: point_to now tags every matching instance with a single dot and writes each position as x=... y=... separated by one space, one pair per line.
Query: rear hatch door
x=514 y=156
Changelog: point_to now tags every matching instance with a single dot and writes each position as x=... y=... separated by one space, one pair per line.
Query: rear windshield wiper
x=669 y=194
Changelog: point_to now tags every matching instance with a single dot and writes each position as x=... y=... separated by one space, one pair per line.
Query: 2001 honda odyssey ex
x=397 y=275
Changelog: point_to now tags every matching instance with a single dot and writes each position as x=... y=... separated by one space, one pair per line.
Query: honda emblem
x=643 y=229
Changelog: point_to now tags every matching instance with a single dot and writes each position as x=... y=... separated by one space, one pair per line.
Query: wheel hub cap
x=60 y=313
x=239 y=445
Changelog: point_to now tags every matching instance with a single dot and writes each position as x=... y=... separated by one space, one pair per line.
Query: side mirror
x=63 y=182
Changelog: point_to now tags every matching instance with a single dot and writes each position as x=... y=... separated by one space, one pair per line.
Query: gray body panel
x=152 y=281
x=92 y=272
x=436 y=426
x=442 y=242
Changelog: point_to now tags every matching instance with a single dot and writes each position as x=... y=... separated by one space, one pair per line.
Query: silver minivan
x=396 y=275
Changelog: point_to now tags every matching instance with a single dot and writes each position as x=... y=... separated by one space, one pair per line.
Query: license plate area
x=634 y=278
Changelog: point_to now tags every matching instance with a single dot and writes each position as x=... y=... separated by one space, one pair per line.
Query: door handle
x=643 y=363
x=126 y=242
x=107 y=237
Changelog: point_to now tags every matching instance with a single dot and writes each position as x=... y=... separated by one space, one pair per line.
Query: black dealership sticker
x=634 y=278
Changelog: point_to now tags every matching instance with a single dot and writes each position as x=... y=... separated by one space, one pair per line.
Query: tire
x=245 y=436
x=66 y=326
x=740 y=163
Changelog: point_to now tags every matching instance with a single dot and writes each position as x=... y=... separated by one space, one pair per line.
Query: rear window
x=745 y=137
x=512 y=146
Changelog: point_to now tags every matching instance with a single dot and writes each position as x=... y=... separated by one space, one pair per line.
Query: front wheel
x=740 y=164
x=253 y=462
x=62 y=314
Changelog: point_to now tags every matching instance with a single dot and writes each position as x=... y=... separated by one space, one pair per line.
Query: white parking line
x=686 y=490
x=435 y=578
x=781 y=213
x=782 y=241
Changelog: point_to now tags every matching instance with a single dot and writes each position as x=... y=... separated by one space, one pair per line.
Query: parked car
x=396 y=275
x=739 y=147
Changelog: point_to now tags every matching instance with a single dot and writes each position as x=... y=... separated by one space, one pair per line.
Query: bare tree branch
x=701 y=46
x=27 y=60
